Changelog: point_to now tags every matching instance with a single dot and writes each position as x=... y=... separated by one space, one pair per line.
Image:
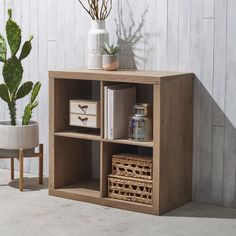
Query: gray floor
x=34 y=213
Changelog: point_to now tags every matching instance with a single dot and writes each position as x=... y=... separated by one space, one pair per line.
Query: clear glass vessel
x=141 y=123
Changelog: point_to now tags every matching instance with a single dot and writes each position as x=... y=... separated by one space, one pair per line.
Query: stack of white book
x=118 y=105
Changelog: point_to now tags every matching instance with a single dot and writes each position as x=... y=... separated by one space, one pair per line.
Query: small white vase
x=97 y=36
x=110 y=62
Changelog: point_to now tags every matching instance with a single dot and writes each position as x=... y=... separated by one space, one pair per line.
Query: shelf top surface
x=130 y=76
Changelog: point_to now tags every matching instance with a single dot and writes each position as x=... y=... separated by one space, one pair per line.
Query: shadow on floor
x=30 y=184
x=203 y=211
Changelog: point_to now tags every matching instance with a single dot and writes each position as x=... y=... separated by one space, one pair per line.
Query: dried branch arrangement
x=97 y=9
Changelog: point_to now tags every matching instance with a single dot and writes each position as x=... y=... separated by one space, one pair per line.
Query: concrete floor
x=34 y=213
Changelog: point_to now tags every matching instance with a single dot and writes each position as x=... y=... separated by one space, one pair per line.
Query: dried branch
x=109 y=11
x=101 y=10
x=98 y=11
x=85 y=8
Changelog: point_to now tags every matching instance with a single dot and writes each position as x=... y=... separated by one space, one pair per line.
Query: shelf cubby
x=110 y=149
x=77 y=166
x=70 y=89
x=80 y=158
x=144 y=94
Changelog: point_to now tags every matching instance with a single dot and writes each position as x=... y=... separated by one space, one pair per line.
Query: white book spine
x=105 y=112
x=110 y=114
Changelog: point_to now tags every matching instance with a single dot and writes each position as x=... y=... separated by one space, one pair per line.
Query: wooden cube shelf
x=81 y=159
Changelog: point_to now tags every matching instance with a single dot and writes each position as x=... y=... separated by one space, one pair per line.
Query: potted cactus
x=16 y=133
x=111 y=59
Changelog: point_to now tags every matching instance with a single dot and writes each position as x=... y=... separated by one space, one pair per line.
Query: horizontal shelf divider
x=69 y=134
x=93 y=137
x=129 y=142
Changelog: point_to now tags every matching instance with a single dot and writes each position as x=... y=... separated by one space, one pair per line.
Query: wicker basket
x=129 y=189
x=131 y=165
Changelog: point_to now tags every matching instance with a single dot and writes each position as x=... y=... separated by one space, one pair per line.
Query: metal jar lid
x=143 y=109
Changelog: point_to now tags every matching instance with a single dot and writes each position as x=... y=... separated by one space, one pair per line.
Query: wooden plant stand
x=79 y=171
x=20 y=158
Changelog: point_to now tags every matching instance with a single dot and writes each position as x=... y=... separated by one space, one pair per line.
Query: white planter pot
x=110 y=62
x=97 y=36
x=18 y=137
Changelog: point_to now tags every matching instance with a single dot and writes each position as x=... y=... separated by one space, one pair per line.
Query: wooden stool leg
x=12 y=168
x=21 y=159
x=41 y=164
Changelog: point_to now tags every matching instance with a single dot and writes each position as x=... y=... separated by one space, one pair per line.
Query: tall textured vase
x=97 y=36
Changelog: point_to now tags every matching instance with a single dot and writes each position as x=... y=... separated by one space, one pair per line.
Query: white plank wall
x=188 y=35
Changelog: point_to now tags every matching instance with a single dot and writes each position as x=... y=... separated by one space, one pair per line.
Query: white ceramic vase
x=19 y=136
x=97 y=36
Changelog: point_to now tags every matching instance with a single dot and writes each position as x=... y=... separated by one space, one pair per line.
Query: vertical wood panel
x=173 y=35
x=217 y=165
x=34 y=62
x=51 y=19
x=195 y=65
x=69 y=35
x=8 y=4
x=60 y=35
x=82 y=21
x=43 y=77
x=207 y=42
x=208 y=8
x=130 y=35
x=25 y=24
x=161 y=41
x=184 y=35
x=229 y=189
x=219 y=63
x=139 y=18
x=218 y=95
x=2 y=104
x=150 y=35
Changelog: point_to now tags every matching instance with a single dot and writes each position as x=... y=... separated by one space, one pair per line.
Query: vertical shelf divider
x=156 y=145
x=102 y=162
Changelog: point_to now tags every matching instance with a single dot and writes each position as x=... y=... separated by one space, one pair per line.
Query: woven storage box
x=131 y=165
x=129 y=189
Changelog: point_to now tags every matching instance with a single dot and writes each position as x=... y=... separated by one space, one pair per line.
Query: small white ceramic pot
x=110 y=62
x=19 y=136
x=97 y=37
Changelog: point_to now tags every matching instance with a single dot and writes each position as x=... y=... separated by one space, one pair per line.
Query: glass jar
x=141 y=123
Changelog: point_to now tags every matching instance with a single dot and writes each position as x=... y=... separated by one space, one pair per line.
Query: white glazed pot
x=97 y=37
x=19 y=136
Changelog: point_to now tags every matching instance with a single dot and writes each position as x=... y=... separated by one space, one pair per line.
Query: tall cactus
x=12 y=71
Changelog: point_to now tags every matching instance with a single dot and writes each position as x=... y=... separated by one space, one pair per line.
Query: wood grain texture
x=176 y=131
x=73 y=158
x=66 y=34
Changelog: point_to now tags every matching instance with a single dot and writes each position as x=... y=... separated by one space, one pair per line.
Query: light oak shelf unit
x=72 y=151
